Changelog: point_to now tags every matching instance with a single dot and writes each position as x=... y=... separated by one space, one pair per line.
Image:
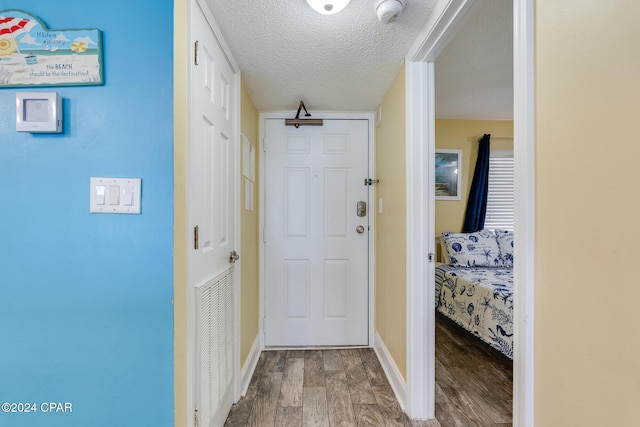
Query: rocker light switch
x=100 y=190
x=127 y=193
x=115 y=195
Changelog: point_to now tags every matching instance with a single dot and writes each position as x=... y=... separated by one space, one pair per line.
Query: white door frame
x=191 y=359
x=446 y=20
x=261 y=260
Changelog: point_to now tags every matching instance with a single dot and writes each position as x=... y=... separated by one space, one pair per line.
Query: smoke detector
x=388 y=10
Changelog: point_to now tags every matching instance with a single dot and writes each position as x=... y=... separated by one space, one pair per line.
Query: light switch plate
x=122 y=195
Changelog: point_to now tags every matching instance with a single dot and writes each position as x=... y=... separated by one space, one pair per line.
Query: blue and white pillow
x=478 y=249
x=505 y=244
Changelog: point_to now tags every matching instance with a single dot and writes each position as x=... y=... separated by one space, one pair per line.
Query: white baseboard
x=398 y=383
x=250 y=365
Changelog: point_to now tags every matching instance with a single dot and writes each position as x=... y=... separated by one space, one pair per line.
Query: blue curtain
x=477 y=203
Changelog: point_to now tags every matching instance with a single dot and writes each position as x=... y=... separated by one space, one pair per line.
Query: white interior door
x=316 y=254
x=212 y=160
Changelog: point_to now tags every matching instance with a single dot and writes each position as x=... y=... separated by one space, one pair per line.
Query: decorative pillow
x=505 y=244
x=478 y=249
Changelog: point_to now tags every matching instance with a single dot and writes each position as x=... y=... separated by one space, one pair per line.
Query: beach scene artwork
x=33 y=55
x=448 y=174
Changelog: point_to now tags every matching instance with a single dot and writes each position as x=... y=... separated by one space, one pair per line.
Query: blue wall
x=86 y=313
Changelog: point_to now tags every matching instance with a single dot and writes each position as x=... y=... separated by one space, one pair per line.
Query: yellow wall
x=463 y=135
x=180 y=120
x=587 y=321
x=249 y=292
x=586 y=318
x=390 y=298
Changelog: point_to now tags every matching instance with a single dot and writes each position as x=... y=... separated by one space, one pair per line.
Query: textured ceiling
x=474 y=74
x=287 y=52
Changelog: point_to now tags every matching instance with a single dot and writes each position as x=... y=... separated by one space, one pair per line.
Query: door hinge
x=430 y=256
x=264 y=144
x=195 y=52
x=195 y=237
x=369 y=181
x=195 y=417
x=264 y=235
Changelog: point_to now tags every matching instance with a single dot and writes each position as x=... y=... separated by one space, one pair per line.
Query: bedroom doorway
x=473 y=329
x=420 y=77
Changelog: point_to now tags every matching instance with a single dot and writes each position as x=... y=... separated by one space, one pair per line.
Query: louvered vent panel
x=215 y=332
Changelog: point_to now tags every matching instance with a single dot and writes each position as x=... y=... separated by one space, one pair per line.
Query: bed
x=474 y=285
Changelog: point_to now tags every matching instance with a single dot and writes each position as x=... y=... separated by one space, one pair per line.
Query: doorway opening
x=420 y=96
x=474 y=305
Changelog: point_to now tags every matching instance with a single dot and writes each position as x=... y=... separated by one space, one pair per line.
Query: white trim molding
x=391 y=370
x=250 y=365
x=447 y=19
x=524 y=224
x=442 y=25
x=420 y=226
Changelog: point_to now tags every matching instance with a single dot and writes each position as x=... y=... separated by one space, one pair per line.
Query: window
x=500 y=197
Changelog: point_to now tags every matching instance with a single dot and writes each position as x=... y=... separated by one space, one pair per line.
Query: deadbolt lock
x=361 y=208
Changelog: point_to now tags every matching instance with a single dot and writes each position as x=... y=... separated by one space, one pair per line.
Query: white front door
x=316 y=248
x=211 y=198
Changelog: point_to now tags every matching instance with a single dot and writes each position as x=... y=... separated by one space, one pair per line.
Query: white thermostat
x=38 y=112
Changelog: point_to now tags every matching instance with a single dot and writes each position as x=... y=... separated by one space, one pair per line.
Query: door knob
x=360 y=229
x=233 y=257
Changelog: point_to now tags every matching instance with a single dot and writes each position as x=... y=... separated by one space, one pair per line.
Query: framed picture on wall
x=448 y=174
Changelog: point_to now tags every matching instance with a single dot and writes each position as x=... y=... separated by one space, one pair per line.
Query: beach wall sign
x=33 y=55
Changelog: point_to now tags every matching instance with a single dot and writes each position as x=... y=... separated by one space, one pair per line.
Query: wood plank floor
x=344 y=388
x=474 y=382
x=337 y=388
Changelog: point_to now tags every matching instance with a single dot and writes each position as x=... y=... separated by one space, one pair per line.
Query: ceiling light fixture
x=328 y=7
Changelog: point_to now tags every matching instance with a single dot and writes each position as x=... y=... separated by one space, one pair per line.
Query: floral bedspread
x=480 y=299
